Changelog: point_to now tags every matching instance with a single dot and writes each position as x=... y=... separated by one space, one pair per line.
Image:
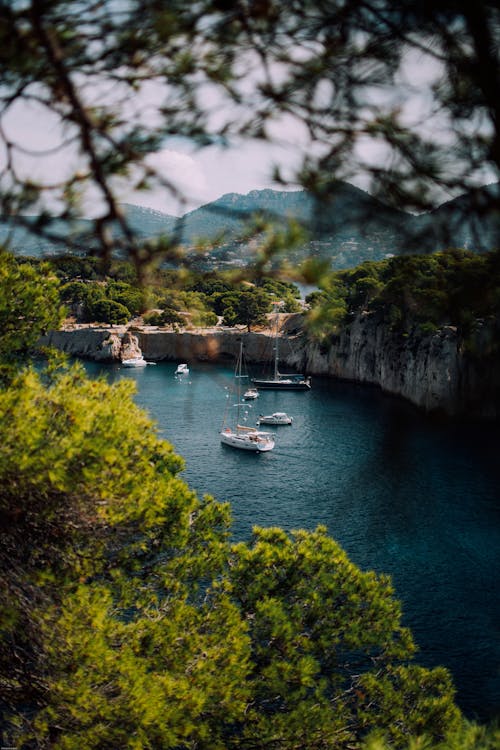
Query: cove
x=404 y=494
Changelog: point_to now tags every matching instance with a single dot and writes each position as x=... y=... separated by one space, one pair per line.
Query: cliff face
x=99 y=344
x=435 y=372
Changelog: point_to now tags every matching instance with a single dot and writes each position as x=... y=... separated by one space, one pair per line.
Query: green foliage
x=164 y=318
x=68 y=267
x=204 y=319
x=106 y=556
x=468 y=736
x=108 y=311
x=306 y=639
x=251 y=308
x=113 y=302
x=129 y=297
x=201 y=297
x=29 y=306
x=282 y=291
x=456 y=288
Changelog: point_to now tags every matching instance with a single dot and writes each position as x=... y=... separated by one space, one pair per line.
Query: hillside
x=348 y=227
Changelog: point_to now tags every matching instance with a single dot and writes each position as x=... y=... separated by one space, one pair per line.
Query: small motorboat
x=250 y=394
x=182 y=369
x=279 y=417
x=134 y=362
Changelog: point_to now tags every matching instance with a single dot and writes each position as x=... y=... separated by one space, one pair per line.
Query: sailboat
x=238 y=435
x=282 y=381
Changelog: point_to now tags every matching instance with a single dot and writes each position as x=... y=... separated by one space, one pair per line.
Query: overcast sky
x=204 y=175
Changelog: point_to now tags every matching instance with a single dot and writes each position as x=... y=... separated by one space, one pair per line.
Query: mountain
x=146 y=222
x=347 y=206
x=347 y=227
x=21 y=240
x=470 y=221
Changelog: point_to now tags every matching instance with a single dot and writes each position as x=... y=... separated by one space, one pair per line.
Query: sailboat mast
x=238 y=378
x=276 y=352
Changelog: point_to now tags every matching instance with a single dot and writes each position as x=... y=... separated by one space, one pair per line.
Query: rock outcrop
x=96 y=343
x=436 y=372
x=130 y=348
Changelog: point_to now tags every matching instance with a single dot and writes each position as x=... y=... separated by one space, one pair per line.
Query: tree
x=167 y=317
x=129 y=620
x=343 y=69
x=126 y=295
x=329 y=652
x=252 y=308
x=29 y=306
x=108 y=311
x=108 y=630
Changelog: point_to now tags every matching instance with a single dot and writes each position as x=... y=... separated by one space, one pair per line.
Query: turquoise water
x=404 y=494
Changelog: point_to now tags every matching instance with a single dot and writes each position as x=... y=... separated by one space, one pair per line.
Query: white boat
x=250 y=394
x=235 y=434
x=134 y=362
x=279 y=417
x=282 y=381
x=182 y=369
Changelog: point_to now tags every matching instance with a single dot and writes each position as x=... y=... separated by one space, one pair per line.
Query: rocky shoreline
x=435 y=372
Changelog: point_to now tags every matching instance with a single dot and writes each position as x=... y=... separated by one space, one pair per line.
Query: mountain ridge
x=348 y=226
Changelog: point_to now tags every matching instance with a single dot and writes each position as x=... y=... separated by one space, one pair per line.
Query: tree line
x=415 y=293
x=177 y=298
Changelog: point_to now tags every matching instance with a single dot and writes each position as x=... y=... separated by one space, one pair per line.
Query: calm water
x=403 y=494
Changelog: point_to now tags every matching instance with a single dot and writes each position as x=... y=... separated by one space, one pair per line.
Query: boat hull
x=138 y=362
x=251 y=394
x=246 y=443
x=275 y=420
x=282 y=385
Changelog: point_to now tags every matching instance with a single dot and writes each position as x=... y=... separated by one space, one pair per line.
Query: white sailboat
x=235 y=434
x=282 y=381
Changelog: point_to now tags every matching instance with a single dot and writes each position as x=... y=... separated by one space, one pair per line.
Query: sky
x=204 y=175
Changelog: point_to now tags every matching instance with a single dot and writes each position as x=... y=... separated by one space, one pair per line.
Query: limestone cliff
x=97 y=343
x=435 y=372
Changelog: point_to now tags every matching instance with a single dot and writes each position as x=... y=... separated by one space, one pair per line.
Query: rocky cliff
x=101 y=344
x=438 y=372
x=435 y=372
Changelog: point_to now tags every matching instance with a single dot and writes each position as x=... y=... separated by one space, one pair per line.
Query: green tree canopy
x=129 y=619
x=29 y=306
x=251 y=308
x=456 y=287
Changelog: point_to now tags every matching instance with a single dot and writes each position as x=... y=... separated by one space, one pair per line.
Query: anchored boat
x=233 y=433
x=282 y=381
x=279 y=417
